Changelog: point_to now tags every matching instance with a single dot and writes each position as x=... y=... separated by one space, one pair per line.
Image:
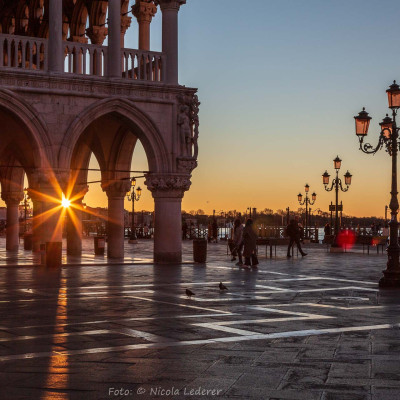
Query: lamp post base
x=390 y=279
x=336 y=249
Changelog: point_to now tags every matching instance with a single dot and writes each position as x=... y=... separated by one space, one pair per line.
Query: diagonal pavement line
x=144 y=335
x=179 y=305
x=119 y=320
x=53 y=335
x=268 y=336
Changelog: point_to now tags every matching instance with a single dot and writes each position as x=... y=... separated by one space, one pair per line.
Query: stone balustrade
x=85 y=59
x=23 y=52
x=143 y=65
x=31 y=53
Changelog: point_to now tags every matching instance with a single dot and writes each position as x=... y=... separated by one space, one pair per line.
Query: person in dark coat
x=250 y=245
x=293 y=231
x=215 y=230
x=184 y=230
x=238 y=242
x=327 y=229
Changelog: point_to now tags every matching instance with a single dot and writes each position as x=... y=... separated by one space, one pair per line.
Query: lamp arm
x=302 y=203
x=311 y=202
x=341 y=187
x=331 y=188
x=368 y=148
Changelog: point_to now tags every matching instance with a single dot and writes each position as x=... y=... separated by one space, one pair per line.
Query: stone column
x=144 y=11
x=170 y=9
x=167 y=191
x=114 y=39
x=36 y=228
x=12 y=200
x=55 y=45
x=116 y=192
x=74 y=222
x=51 y=218
x=47 y=210
x=125 y=24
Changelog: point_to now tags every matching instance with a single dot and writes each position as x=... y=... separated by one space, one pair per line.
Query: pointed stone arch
x=34 y=127
x=138 y=122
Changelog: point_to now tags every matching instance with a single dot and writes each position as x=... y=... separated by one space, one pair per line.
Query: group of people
x=244 y=244
x=212 y=229
x=294 y=231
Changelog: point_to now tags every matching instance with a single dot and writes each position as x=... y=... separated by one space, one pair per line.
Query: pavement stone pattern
x=306 y=328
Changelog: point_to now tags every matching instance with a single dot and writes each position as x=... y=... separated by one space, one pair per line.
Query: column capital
x=125 y=23
x=78 y=193
x=116 y=188
x=186 y=165
x=12 y=198
x=170 y=4
x=168 y=185
x=97 y=34
x=49 y=178
x=144 y=10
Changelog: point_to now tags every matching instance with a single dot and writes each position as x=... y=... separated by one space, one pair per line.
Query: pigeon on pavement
x=189 y=293
x=222 y=286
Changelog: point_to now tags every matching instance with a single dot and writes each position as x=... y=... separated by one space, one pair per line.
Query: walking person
x=327 y=229
x=293 y=231
x=237 y=242
x=184 y=230
x=209 y=232
x=215 y=231
x=250 y=245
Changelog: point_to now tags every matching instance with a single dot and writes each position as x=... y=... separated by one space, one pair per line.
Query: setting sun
x=65 y=202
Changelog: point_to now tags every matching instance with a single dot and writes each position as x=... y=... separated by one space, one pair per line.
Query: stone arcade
x=62 y=99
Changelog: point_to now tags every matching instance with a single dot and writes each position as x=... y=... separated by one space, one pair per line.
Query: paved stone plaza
x=304 y=328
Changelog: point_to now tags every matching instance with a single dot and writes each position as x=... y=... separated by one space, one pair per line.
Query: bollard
x=99 y=245
x=200 y=250
x=42 y=254
x=28 y=241
x=53 y=254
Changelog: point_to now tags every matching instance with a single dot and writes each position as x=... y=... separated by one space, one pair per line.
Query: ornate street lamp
x=306 y=202
x=337 y=184
x=388 y=137
x=132 y=196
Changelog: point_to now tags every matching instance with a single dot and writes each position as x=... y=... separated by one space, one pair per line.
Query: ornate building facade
x=65 y=95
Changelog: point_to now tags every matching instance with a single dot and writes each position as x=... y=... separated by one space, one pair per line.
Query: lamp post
x=337 y=184
x=388 y=137
x=306 y=202
x=132 y=196
x=249 y=208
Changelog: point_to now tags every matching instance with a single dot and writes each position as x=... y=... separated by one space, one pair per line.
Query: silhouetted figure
x=222 y=286
x=293 y=231
x=250 y=245
x=237 y=242
x=209 y=232
x=215 y=231
x=191 y=232
x=327 y=229
x=184 y=230
x=189 y=293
